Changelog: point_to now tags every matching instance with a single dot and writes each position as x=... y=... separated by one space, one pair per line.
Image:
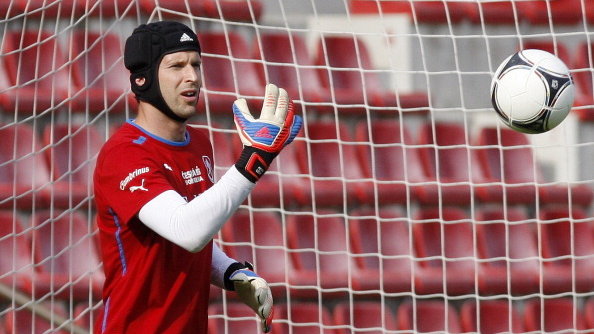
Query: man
x=158 y=204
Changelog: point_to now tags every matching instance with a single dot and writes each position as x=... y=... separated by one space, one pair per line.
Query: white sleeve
x=193 y=224
x=220 y=263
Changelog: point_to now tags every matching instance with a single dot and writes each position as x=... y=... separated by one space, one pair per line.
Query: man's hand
x=265 y=137
x=254 y=292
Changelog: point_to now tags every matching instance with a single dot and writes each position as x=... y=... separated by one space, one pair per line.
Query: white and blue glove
x=252 y=290
x=265 y=137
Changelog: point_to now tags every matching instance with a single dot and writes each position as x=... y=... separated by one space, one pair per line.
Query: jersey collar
x=161 y=139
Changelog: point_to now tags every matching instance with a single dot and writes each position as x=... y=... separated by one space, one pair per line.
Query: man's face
x=180 y=81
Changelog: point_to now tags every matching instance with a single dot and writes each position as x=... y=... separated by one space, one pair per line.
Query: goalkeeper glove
x=252 y=291
x=264 y=138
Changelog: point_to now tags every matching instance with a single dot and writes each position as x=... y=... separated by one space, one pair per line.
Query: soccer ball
x=532 y=91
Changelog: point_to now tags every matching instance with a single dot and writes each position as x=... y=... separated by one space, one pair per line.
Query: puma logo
x=140 y=187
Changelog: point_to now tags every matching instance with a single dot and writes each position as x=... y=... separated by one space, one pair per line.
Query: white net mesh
x=404 y=205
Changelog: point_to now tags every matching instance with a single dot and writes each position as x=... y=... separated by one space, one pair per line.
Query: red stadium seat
x=258 y=238
x=562 y=12
x=446 y=233
x=24 y=176
x=384 y=254
x=225 y=154
x=424 y=316
x=432 y=12
x=490 y=317
x=71 y=156
x=589 y=312
x=396 y=169
x=319 y=247
x=367 y=317
x=100 y=72
x=582 y=64
x=48 y=9
x=565 y=234
x=449 y=160
x=331 y=158
x=108 y=9
x=16 y=262
x=520 y=174
x=348 y=68
x=232 y=317
x=66 y=256
x=86 y=315
x=292 y=69
x=303 y=318
x=22 y=320
x=230 y=10
x=556 y=315
x=46 y=84
x=229 y=72
x=507 y=243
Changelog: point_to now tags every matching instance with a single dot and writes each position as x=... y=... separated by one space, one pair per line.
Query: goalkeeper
x=158 y=205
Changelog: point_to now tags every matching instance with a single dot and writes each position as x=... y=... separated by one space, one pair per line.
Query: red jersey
x=151 y=284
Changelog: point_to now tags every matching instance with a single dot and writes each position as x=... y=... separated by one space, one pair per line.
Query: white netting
x=404 y=205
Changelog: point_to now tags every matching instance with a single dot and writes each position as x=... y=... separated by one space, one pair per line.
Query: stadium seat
x=347 y=68
x=100 y=73
x=589 y=312
x=562 y=12
x=303 y=318
x=367 y=317
x=24 y=176
x=447 y=233
x=556 y=315
x=396 y=170
x=16 y=262
x=37 y=69
x=319 y=246
x=582 y=64
x=232 y=317
x=331 y=159
x=381 y=243
x=520 y=174
x=230 y=10
x=71 y=156
x=258 y=238
x=429 y=12
x=490 y=317
x=66 y=256
x=507 y=244
x=424 y=316
x=454 y=165
x=48 y=9
x=22 y=320
x=86 y=315
x=229 y=73
x=108 y=9
x=292 y=69
x=564 y=234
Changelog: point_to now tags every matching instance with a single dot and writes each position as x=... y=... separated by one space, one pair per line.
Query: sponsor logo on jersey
x=131 y=177
x=192 y=176
x=209 y=169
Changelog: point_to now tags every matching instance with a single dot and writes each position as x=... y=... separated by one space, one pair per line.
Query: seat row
x=411 y=316
x=95 y=79
x=420 y=315
x=230 y=10
x=431 y=251
x=329 y=166
x=562 y=12
x=367 y=253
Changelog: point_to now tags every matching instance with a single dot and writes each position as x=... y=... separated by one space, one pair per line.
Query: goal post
x=404 y=205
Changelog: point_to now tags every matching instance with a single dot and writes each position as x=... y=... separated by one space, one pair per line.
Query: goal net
x=405 y=204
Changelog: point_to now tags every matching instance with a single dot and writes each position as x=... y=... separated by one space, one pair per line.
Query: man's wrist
x=254 y=162
x=230 y=270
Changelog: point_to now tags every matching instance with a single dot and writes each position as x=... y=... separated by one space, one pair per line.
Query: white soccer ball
x=532 y=91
